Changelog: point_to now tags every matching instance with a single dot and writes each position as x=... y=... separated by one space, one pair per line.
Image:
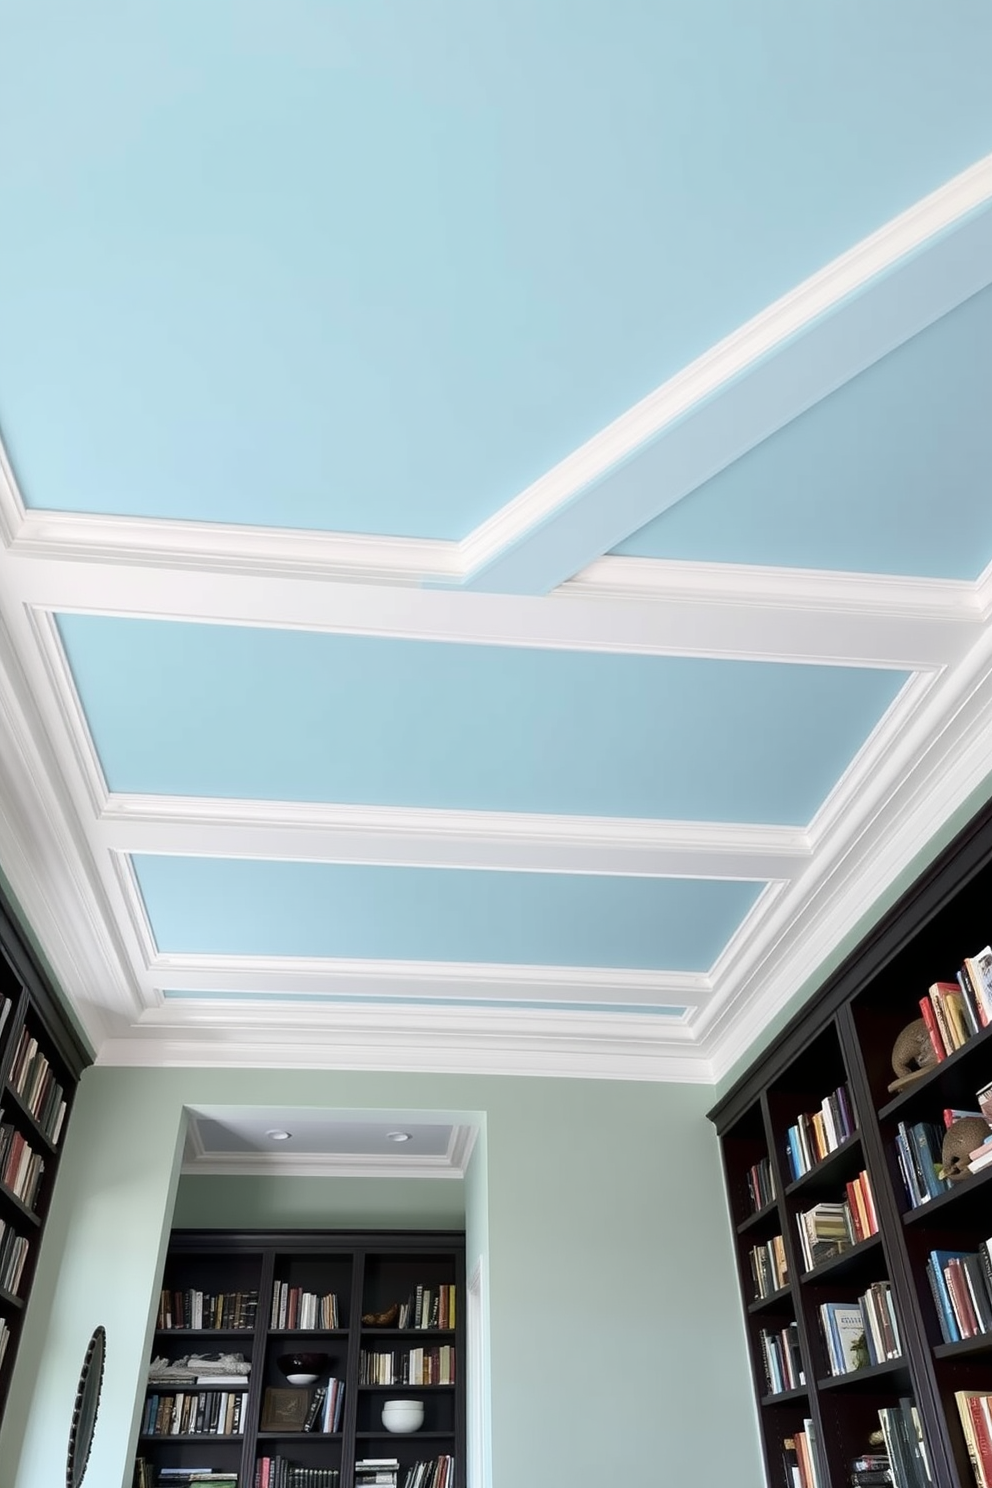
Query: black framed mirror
x=85 y=1409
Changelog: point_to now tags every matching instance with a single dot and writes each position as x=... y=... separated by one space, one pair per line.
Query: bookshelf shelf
x=279 y=1276
x=41 y=1061
x=842 y=1041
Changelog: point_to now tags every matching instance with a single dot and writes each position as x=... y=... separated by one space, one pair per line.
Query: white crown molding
x=453 y=1163
x=858 y=287
x=428 y=838
x=926 y=772
x=421 y=1039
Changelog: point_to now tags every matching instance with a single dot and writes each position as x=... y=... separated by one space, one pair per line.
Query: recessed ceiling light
x=279 y=1136
x=397 y=1136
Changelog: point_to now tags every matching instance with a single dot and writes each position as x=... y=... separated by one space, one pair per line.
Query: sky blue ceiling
x=224 y=906
x=205 y=710
x=890 y=474
x=375 y=266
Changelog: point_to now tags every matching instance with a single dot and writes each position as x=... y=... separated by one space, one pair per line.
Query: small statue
x=960 y=1141
x=385 y=1319
x=912 y=1055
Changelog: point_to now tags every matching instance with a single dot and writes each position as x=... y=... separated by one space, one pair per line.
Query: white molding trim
x=322 y=981
x=483 y=1041
x=200 y=1161
x=942 y=757
x=423 y=837
x=860 y=622
x=926 y=223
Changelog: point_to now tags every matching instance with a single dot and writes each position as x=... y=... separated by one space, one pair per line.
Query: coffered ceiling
x=495 y=527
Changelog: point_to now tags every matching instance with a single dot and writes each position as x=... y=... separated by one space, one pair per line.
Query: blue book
x=938 y=1260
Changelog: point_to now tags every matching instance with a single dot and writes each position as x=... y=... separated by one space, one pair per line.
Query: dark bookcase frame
x=846 y=1033
x=368 y=1269
x=33 y=1004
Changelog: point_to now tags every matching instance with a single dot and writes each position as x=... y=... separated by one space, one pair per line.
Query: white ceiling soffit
x=237 y=1141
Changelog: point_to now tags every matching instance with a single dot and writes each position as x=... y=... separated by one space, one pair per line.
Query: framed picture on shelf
x=284 y=1410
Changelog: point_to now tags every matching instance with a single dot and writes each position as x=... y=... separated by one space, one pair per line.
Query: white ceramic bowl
x=403 y=1415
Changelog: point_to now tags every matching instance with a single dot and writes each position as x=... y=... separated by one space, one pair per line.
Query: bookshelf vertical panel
x=922 y=961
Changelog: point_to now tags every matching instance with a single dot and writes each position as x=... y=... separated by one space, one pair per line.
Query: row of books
x=296 y=1309
x=769 y=1269
x=278 y=1472
x=816 y=1134
x=975 y=1410
x=6 y=1007
x=904 y=1463
x=760 y=1185
x=428 y=1307
x=21 y=1168
x=955 y=1011
x=4 y=1337
x=782 y=1359
x=377 y=1472
x=416 y=1366
x=439 y=1472
x=832 y=1226
x=861 y=1333
x=32 y=1078
x=961 y=1283
x=13 y=1255
x=918 y=1150
x=193 y=1413
x=207 y=1310
x=326 y=1407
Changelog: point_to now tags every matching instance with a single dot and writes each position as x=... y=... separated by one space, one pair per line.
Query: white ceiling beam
x=854 y=620
x=428 y=838
x=865 y=304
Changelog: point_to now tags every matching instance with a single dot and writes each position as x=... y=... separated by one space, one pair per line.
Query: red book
x=957 y=1285
x=978 y=1409
x=926 y=1008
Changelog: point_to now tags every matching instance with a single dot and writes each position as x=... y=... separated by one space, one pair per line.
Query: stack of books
x=33 y=1079
x=13 y=1253
x=429 y=1307
x=975 y=1410
x=818 y=1133
x=871 y=1470
x=181 y=1477
x=769 y=1270
x=961 y=1283
x=861 y=1333
x=416 y=1366
x=918 y=1149
x=377 y=1472
x=799 y=1459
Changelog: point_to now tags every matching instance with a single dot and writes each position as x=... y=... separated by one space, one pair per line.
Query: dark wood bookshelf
x=845 y=1035
x=33 y=1010
x=368 y=1271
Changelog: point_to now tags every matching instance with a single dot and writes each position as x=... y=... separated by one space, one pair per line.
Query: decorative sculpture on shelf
x=912 y=1055
x=960 y=1141
x=385 y=1319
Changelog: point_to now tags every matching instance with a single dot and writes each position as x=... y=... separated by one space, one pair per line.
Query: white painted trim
x=421 y=837
x=732 y=358
x=466 y=1041
x=712 y=612
x=338 y=977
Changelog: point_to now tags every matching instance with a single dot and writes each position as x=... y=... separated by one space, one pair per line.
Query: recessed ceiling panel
x=890 y=474
x=248 y=907
x=242 y=712
x=376 y=266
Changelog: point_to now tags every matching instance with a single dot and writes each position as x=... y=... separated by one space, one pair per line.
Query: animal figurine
x=385 y=1319
x=912 y=1055
x=960 y=1140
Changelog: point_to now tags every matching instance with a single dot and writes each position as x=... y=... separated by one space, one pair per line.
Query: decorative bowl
x=303 y=1369
x=403 y=1415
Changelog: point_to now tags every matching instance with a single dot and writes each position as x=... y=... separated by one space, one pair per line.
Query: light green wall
x=223 y=1203
x=616 y=1339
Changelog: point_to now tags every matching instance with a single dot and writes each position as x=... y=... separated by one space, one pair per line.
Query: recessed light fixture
x=397 y=1136
x=279 y=1136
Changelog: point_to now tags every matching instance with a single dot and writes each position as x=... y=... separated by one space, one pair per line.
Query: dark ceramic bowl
x=303 y=1368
